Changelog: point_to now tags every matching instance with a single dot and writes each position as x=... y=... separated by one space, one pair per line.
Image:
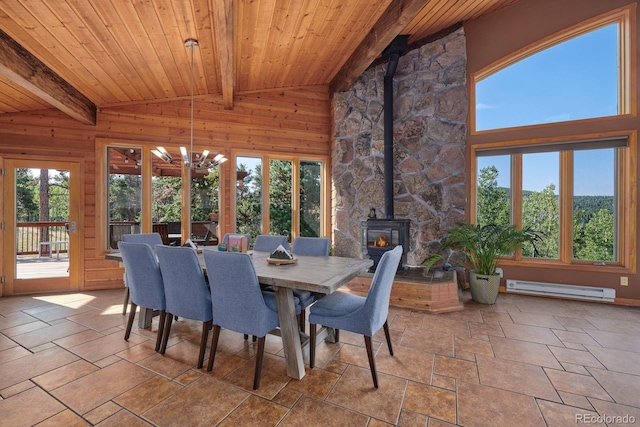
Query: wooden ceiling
x=83 y=55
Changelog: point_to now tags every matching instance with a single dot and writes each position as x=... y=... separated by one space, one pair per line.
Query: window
x=292 y=190
x=581 y=73
x=565 y=191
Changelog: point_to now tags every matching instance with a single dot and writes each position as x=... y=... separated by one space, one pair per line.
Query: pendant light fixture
x=202 y=161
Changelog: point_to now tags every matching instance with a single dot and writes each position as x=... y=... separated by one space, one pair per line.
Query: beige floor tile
x=64 y=419
x=482 y=329
x=443 y=324
x=15 y=319
x=531 y=334
x=33 y=365
x=557 y=415
x=188 y=377
x=105 y=346
x=623 y=388
x=429 y=341
x=355 y=391
x=101 y=412
x=287 y=397
x=12 y=354
x=100 y=322
x=521 y=351
x=431 y=401
x=472 y=346
x=322 y=413
x=516 y=377
x=77 y=339
x=406 y=363
x=82 y=395
x=577 y=357
x=147 y=395
x=273 y=379
x=618 y=326
x=65 y=374
x=204 y=402
x=574 y=337
x=575 y=400
x=28 y=408
x=356 y=355
x=123 y=418
x=617 y=341
x=316 y=383
x=576 y=384
x=616 y=410
x=24 y=328
x=48 y=334
x=455 y=368
x=617 y=360
x=255 y=411
x=483 y=406
x=6 y=343
x=165 y=365
x=412 y=419
x=16 y=389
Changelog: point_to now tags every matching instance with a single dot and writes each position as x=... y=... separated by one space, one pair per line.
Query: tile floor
x=525 y=361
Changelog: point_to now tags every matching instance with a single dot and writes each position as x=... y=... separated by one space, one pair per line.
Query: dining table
x=320 y=274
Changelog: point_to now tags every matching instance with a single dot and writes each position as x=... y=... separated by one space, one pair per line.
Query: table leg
x=289 y=331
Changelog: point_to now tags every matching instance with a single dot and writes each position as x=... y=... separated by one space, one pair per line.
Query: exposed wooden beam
x=223 y=23
x=393 y=20
x=27 y=71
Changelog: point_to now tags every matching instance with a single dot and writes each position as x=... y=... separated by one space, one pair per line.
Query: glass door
x=41 y=226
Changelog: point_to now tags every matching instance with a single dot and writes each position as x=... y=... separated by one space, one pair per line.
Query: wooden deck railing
x=31 y=235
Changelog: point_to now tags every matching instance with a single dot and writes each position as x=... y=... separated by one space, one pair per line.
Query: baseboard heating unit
x=557 y=290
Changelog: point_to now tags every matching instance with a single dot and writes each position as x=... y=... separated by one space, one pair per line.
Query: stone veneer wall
x=430 y=129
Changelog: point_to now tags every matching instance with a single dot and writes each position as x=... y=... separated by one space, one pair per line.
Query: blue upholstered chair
x=151 y=239
x=186 y=291
x=358 y=314
x=145 y=281
x=268 y=243
x=313 y=246
x=238 y=303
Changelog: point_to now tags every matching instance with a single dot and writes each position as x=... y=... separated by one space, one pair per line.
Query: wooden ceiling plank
x=27 y=71
x=354 y=24
x=223 y=24
x=394 y=19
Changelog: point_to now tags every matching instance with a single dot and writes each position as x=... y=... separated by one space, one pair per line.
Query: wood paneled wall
x=283 y=121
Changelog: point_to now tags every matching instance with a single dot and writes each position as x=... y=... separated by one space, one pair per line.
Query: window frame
x=295 y=193
x=623 y=16
x=625 y=215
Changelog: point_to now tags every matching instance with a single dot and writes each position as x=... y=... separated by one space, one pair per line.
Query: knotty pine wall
x=294 y=121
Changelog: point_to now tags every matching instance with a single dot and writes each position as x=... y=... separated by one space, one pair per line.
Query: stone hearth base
x=413 y=290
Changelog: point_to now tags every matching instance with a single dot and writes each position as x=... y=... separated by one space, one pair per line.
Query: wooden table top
x=317 y=274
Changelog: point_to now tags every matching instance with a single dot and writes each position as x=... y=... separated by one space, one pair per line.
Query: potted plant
x=482 y=245
x=428 y=262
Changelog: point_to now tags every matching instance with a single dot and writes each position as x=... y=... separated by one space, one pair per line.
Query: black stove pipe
x=393 y=52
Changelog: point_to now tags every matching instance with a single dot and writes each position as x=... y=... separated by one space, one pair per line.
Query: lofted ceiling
x=82 y=55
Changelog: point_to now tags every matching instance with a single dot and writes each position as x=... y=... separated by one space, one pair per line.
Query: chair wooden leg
x=259 y=357
x=336 y=334
x=167 y=331
x=388 y=335
x=126 y=300
x=203 y=341
x=312 y=345
x=246 y=337
x=214 y=346
x=372 y=362
x=132 y=314
x=163 y=317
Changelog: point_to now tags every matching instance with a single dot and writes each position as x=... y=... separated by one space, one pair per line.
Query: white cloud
x=481 y=106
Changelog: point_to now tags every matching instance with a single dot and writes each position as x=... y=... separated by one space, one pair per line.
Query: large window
x=293 y=190
x=581 y=73
x=566 y=191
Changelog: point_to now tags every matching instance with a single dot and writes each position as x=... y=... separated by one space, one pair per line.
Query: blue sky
x=576 y=79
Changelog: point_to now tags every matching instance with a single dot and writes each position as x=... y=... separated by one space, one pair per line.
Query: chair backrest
x=163 y=230
x=225 y=239
x=268 y=243
x=236 y=297
x=376 y=306
x=151 y=239
x=143 y=275
x=184 y=285
x=316 y=246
